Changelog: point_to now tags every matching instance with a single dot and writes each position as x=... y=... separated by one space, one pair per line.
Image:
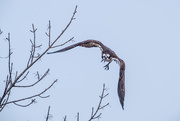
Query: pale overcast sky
x=144 y=33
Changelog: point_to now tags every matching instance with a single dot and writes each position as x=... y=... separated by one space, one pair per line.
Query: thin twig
x=1 y=31
x=49 y=34
x=44 y=96
x=63 y=43
x=72 y=18
x=29 y=58
x=39 y=79
x=6 y=86
x=34 y=43
x=78 y=116
x=9 y=59
x=23 y=77
x=38 y=76
x=33 y=95
x=33 y=46
x=47 y=117
x=32 y=101
x=16 y=75
x=65 y=118
x=95 y=114
x=5 y=101
x=5 y=57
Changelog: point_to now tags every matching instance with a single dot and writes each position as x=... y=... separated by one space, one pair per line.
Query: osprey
x=107 y=55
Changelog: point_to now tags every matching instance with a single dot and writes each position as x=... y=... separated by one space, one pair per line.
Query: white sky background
x=145 y=34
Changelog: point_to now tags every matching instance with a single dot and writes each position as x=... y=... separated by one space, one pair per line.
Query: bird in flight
x=108 y=55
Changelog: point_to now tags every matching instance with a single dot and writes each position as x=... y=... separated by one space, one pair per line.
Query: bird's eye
x=107 y=55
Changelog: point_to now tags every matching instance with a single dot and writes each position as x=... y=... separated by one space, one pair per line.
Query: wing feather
x=65 y=49
x=87 y=44
x=121 y=83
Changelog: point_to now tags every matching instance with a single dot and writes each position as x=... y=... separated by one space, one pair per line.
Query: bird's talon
x=106 y=67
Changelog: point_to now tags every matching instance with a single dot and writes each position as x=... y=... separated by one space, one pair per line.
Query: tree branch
x=32 y=101
x=49 y=34
x=25 y=76
x=95 y=114
x=33 y=43
x=33 y=95
x=6 y=93
x=63 y=43
x=39 y=79
x=48 y=115
x=78 y=116
x=1 y=31
x=32 y=60
x=65 y=118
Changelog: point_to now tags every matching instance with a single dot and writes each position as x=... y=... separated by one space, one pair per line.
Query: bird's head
x=106 y=57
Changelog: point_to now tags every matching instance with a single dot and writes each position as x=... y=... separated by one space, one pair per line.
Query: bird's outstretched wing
x=121 y=82
x=87 y=44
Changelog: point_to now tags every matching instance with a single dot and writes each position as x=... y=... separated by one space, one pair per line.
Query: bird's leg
x=106 y=67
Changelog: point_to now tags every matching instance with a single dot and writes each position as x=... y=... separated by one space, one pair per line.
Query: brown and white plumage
x=107 y=55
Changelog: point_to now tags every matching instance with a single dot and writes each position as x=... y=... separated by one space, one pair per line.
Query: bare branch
x=95 y=115
x=29 y=58
x=10 y=73
x=32 y=101
x=98 y=116
x=6 y=94
x=4 y=101
x=16 y=75
x=6 y=86
x=9 y=59
x=39 y=79
x=33 y=46
x=1 y=31
x=44 y=96
x=11 y=82
x=33 y=43
x=72 y=18
x=49 y=35
x=65 y=118
x=6 y=56
x=23 y=77
x=33 y=95
x=47 y=117
x=78 y=116
x=38 y=46
x=38 y=76
x=63 y=43
x=104 y=106
x=92 y=112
